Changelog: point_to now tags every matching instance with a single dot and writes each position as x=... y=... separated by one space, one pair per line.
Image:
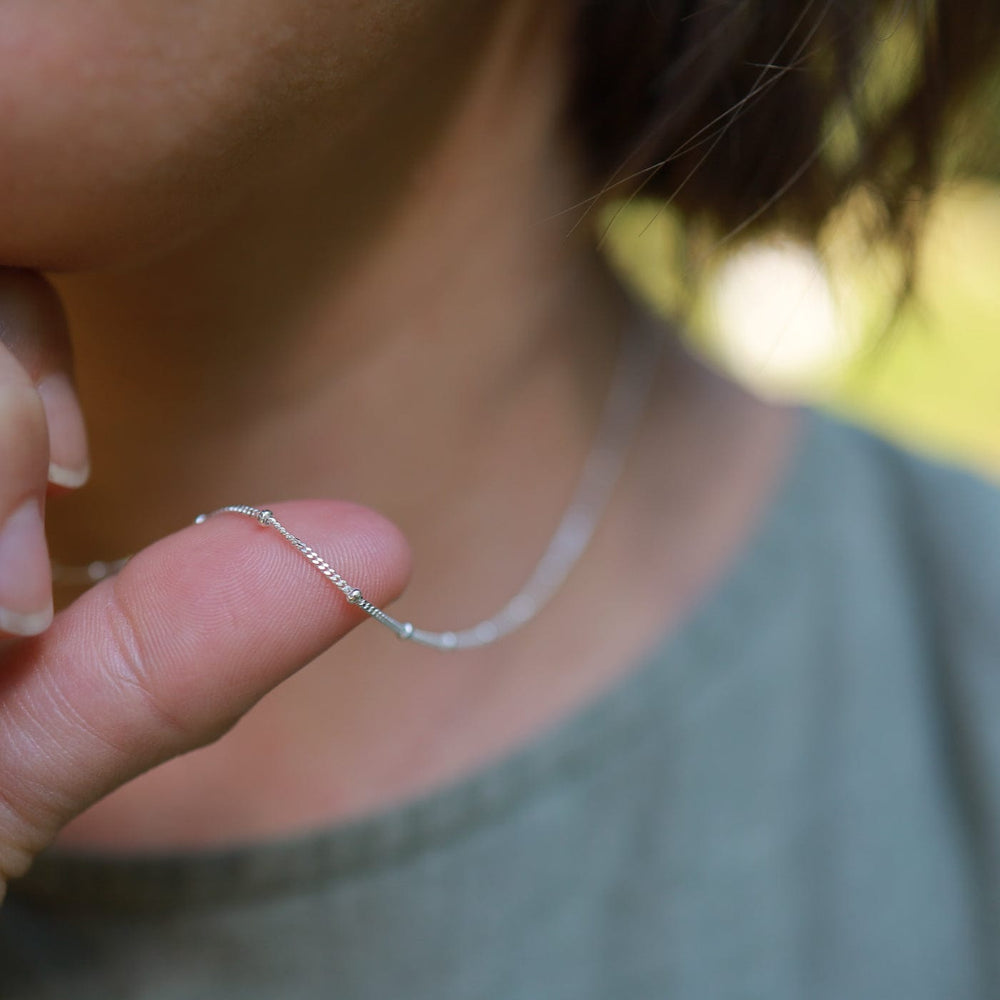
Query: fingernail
x=69 y=462
x=25 y=579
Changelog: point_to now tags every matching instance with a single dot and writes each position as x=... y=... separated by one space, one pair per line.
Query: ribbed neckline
x=690 y=653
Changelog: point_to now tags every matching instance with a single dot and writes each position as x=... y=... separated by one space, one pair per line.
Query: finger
x=33 y=329
x=25 y=583
x=167 y=656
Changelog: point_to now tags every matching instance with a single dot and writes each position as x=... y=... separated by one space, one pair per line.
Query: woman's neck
x=408 y=347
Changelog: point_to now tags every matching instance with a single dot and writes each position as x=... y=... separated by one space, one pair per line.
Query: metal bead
x=355 y=597
x=265 y=517
x=407 y=630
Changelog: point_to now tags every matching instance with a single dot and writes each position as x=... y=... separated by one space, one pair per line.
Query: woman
x=335 y=251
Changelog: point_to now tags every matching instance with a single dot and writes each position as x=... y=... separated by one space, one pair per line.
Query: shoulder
x=938 y=518
x=910 y=598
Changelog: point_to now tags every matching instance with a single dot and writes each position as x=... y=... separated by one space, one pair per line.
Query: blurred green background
x=797 y=324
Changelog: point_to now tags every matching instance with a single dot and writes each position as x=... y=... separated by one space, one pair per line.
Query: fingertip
x=69 y=460
x=359 y=542
x=25 y=578
x=231 y=580
x=381 y=559
x=68 y=479
x=17 y=623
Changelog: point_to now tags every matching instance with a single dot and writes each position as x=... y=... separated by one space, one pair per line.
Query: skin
x=317 y=251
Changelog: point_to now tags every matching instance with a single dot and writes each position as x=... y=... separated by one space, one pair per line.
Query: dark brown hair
x=750 y=112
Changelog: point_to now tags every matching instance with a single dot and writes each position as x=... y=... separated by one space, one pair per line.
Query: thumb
x=170 y=653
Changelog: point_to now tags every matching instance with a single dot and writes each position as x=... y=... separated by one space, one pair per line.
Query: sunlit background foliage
x=827 y=323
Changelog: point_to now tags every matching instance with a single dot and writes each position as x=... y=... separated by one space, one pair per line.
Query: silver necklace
x=625 y=404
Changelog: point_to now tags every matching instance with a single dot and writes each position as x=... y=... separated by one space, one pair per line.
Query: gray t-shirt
x=797 y=795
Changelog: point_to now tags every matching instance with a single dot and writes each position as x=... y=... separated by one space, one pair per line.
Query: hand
x=167 y=655
x=42 y=442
